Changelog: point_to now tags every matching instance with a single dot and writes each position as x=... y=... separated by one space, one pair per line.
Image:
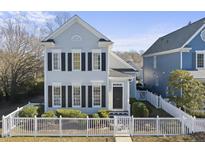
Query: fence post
x=132 y=126
x=157 y=124
x=193 y=124
x=3 y=126
x=87 y=125
x=182 y=121
x=10 y=124
x=60 y=125
x=115 y=125
x=35 y=125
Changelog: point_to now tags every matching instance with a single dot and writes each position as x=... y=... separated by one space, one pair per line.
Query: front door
x=117 y=97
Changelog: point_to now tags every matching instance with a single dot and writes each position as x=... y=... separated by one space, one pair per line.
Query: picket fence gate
x=117 y=126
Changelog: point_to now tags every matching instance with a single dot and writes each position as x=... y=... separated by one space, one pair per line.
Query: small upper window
x=200 y=60
x=56 y=61
x=155 y=62
x=96 y=61
x=76 y=61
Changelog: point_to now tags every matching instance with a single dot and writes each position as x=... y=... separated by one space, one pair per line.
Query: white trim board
x=168 y=52
x=71 y=21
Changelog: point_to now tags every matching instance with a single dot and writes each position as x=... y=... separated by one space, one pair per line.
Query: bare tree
x=20 y=57
x=59 y=20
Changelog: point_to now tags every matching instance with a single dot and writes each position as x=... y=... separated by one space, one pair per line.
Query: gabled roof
x=70 y=22
x=176 y=39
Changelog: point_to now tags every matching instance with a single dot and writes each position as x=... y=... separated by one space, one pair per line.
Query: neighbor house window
x=96 y=60
x=97 y=95
x=76 y=61
x=200 y=60
x=56 y=61
x=76 y=96
x=56 y=95
x=155 y=62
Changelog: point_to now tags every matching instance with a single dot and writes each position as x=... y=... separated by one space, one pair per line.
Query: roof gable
x=70 y=22
x=176 y=39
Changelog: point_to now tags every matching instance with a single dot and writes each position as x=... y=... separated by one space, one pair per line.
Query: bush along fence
x=192 y=123
x=117 y=126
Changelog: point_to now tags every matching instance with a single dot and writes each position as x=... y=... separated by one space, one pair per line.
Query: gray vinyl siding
x=165 y=64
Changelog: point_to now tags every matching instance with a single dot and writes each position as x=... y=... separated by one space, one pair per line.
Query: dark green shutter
x=89 y=61
x=49 y=96
x=83 y=61
x=49 y=61
x=89 y=96
x=103 y=96
x=62 y=61
x=69 y=96
x=103 y=55
x=83 y=96
x=63 y=96
x=69 y=61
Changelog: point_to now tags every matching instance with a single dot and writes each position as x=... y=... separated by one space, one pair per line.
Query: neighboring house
x=81 y=72
x=183 y=49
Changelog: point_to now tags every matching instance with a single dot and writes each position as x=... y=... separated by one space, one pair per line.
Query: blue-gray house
x=182 y=49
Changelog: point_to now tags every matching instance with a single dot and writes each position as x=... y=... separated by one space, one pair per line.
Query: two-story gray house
x=81 y=72
x=183 y=49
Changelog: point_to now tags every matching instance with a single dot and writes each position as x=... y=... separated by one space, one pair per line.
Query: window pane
x=96 y=95
x=56 y=61
x=76 y=96
x=200 y=60
x=96 y=61
x=57 y=96
x=76 y=61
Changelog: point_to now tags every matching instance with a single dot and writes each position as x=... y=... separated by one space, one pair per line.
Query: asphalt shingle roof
x=115 y=73
x=175 y=39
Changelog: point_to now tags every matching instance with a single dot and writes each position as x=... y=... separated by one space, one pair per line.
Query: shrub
x=139 y=110
x=132 y=100
x=198 y=114
x=49 y=114
x=70 y=113
x=103 y=113
x=40 y=110
x=95 y=115
x=28 y=111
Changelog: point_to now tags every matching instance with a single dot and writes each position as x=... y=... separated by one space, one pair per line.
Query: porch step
x=118 y=113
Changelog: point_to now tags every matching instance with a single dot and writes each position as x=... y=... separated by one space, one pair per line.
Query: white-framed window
x=76 y=58
x=96 y=59
x=96 y=95
x=57 y=99
x=76 y=96
x=56 y=61
x=200 y=60
x=155 y=61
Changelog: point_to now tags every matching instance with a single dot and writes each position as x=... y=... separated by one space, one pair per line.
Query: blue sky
x=128 y=30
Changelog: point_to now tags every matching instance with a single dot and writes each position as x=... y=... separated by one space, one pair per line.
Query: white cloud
x=39 y=17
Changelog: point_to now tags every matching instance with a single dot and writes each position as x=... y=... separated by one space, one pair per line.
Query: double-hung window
x=57 y=95
x=76 y=96
x=56 y=61
x=97 y=60
x=76 y=60
x=200 y=60
x=96 y=95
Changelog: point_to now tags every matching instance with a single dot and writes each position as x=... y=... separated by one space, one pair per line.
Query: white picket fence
x=191 y=123
x=117 y=126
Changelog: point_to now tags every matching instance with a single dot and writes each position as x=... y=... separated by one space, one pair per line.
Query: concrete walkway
x=123 y=139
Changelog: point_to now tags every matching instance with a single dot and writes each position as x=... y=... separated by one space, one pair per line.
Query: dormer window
x=200 y=60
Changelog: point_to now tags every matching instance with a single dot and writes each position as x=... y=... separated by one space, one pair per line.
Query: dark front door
x=117 y=97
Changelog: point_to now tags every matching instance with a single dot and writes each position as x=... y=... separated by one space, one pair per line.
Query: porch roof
x=115 y=73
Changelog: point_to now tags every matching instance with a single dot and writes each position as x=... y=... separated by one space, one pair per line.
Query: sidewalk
x=123 y=139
